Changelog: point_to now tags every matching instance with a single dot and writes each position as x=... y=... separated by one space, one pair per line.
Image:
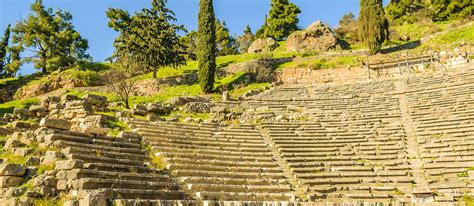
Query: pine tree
x=282 y=20
x=245 y=40
x=225 y=42
x=51 y=37
x=206 y=45
x=149 y=38
x=373 y=26
x=3 y=50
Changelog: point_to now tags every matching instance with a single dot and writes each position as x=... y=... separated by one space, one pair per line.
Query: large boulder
x=263 y=45
x=317 y=37
x=12 y=170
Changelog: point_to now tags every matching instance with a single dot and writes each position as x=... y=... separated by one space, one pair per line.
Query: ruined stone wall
x=362 y=74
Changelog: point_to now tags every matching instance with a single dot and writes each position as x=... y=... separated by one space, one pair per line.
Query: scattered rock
x=8 y=169
x=10 y=181
x=129 y=135
x=197 y=107
x=21 y=125
x=32 y=161
x=68 y=164
x=317 y=37
x=263 y=45
x=95 y=99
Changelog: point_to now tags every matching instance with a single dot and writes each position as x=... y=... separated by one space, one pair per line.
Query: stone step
x=203 y=167
x=117 y=193
x=117 y=168
x=199 y=156
x=106 y=154
x=233 y=181
x=220 y=163
x=88 y=173
x=196 y=173
x=210 y=151
x=155 y=139
x=187 y=145
x=64 y=144
x=200 y=187
x=212 y=137
x=231 y=196
x=91 y=158
x=95 y=183
x=91 y=140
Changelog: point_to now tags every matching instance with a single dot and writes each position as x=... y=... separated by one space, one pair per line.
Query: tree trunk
x=154 y=73
x=43 y=59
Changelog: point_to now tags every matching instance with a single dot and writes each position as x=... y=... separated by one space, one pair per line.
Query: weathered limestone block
x=263 y=45
x=95 y=130
x=93 y=200
x=55 y=123
x=10 y=181
x=12 y=143
x=68 y=97
x=51 y=157
x=21 y=125
x=12 y=170
x=129 y=135
x=68 y=164
x=95 y=99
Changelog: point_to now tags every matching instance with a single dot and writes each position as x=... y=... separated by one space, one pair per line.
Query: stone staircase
x=218 y=163
x=114 y=166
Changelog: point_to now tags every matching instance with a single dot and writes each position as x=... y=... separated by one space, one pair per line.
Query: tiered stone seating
x=217 y=163
x=115 y=166
x=443 y=118
x=355 y=149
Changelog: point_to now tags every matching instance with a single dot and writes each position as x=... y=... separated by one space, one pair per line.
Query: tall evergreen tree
x=51 y=37
x=206 y=45
x=149 y=38
x=3 y=49
x=282 y=20
x=373 y=26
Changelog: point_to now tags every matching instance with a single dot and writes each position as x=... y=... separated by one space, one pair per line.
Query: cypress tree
x=3 y=49
x=373 y=26
x=206 y=45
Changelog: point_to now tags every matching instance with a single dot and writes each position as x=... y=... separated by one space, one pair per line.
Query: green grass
x=45 y=167
x=323 y=63
x=452 y=39
x=49 y=201
x=418 y=30
x=25 y=103
x=240 y=91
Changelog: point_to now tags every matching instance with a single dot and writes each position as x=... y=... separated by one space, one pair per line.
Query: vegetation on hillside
x=147 y=35
x=51 y=37
x=373 y=26
x=412 y=11
x=281 y=21
x=206 y=45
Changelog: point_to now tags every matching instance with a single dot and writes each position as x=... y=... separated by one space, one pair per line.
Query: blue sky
x=89 y=16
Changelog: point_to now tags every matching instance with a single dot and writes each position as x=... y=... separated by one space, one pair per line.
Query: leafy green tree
x=148 y=38
x=348 y=28
x=245 y=40
x=282 y=20
x=206 y=45
x=3 y=49
x=451 y=9
x=190 y=41
x=373 y=26
x=226 y=44
x=51 y=38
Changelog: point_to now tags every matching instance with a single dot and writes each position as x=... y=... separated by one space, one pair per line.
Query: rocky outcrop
x=317 y=37
x=263 y=45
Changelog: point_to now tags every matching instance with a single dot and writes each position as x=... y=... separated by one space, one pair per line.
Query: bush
x=88 y=77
